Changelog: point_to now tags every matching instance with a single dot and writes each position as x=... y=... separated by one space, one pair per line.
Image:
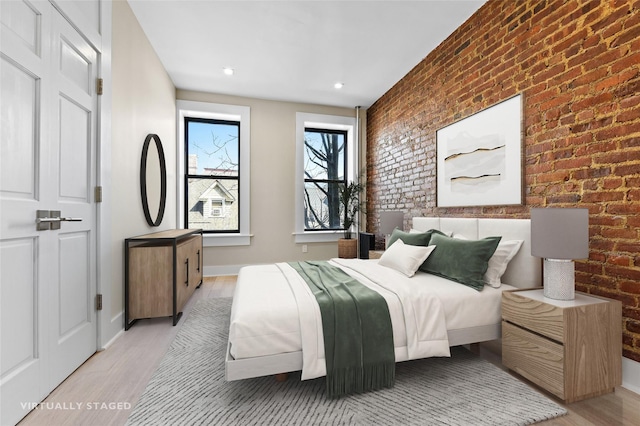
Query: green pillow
x=412 y=238
x=463 y=261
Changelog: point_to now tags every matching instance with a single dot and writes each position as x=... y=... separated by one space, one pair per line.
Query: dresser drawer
x=533 y=315
x=534 y=357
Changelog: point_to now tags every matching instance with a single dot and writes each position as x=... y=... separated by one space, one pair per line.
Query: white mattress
x=266 y=322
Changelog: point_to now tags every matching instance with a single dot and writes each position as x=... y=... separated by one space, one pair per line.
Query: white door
x=48 y=115
x=72 y=181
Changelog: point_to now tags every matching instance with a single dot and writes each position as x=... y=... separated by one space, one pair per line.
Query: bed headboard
x=524 y=270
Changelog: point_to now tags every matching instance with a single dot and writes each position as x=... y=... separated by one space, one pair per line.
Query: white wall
x=273 y=127
x=143 y=103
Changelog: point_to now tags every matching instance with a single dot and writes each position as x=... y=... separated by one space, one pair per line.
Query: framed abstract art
x=479 y=158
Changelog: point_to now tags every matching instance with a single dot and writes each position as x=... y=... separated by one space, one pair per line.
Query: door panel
x=75 y=142
x=21 y=19
x=23 y=67
x=19 y=346
x=20 y=104
x=74 y=162
x=74 y=275
x=48 y=162
x=75 y=66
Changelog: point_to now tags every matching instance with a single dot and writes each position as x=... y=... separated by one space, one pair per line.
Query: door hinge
x=98 y=302
x=99 y=84
x=98 y=194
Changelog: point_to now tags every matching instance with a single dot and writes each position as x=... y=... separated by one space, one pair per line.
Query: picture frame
x=479 y=158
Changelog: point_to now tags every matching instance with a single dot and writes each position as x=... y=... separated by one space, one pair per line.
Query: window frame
x=220 y=112
x=212 y=177
x=323 y=122
x=345 y=167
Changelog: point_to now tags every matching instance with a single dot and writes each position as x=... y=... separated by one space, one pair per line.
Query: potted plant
x=350 y=207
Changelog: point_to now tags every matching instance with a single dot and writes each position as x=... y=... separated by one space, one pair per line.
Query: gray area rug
x=189 y=389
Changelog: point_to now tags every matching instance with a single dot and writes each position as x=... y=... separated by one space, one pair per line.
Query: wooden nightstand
x=375 y=254
x=571 y=348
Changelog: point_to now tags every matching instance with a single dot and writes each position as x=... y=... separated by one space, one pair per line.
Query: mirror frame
x=143 y=180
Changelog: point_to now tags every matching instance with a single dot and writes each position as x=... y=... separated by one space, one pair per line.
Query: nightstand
x=571 y=348
x=375 y=254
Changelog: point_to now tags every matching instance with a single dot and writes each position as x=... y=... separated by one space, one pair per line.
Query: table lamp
x=390 y=220
x=559 y=235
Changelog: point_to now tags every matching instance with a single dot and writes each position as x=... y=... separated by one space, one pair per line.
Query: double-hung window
x=325 y=172
x=212 y=179
x=213 y=171
x=325 y=162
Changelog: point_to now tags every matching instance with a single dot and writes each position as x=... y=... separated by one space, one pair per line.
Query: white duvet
x=275 y=312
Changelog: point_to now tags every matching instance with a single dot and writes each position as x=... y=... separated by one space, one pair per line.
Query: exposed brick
x=628 y=311
x=632 y=287
x=577 y=64
x=602 y=196
x=626 y=36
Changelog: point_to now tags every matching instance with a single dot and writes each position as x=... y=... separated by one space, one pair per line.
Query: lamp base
x=559 y=279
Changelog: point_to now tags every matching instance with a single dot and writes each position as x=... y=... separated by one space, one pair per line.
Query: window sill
x=318 y=236
x=225 y=240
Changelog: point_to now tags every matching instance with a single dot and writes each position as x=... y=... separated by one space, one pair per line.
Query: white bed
x=268 y=326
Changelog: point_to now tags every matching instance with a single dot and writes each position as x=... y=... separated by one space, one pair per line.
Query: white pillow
x=497 y=265
x=499 y=261
x=405 y=258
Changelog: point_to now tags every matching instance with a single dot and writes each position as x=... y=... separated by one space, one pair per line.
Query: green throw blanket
x=358 y=338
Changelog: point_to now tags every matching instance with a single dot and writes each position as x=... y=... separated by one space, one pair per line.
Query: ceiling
x=297 y=50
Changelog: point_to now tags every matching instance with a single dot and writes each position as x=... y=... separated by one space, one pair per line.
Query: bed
x=270 y=319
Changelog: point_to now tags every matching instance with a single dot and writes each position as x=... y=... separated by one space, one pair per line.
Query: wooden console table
x=162 y=270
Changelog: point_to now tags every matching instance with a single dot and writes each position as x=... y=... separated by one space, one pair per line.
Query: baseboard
x=114 y=329
x=217 y=271
x=631 y=375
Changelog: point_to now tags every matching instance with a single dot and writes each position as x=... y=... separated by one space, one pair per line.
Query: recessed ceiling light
x=338 y=85
x=228 y=71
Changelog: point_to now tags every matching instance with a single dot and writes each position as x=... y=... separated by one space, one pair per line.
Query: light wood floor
x=113 y=380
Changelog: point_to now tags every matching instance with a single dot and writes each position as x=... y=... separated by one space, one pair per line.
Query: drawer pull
x=198 y=268
x=186 y=281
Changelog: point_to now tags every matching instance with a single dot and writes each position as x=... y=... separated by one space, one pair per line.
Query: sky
x=215 y=144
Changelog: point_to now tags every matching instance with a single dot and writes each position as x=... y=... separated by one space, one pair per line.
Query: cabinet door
x=150 y=281
x=195 y=269
x=183 y=272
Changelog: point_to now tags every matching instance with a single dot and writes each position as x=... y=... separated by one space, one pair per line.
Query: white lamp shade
x=560 y=233
x=390 y=220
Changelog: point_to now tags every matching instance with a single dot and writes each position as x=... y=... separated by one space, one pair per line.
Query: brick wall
x=576 y=62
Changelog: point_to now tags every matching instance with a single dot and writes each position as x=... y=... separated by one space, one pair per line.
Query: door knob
x=50 y=220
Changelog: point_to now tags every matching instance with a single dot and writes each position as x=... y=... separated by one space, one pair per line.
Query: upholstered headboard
x=524 y=270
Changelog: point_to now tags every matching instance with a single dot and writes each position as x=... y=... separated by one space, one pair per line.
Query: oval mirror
x=153 y=180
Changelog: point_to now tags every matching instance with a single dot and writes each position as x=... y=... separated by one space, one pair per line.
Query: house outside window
x=325 y=166
x=213 y=174
x=213 y=171
x=325 y=160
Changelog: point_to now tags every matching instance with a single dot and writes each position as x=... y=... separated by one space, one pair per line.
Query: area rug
x=189 y=389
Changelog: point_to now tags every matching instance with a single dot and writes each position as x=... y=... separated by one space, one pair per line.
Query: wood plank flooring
x=108 y=385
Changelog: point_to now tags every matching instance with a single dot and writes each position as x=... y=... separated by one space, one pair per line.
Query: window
x=212 y=164
x=217 y=208
x=213 y=171
x=325 y=160
x=324 y=173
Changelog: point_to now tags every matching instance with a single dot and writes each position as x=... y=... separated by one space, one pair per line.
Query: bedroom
x=144 y=101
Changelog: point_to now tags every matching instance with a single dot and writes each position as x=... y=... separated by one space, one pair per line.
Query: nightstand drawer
x=534 y=315
x=534 y=357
